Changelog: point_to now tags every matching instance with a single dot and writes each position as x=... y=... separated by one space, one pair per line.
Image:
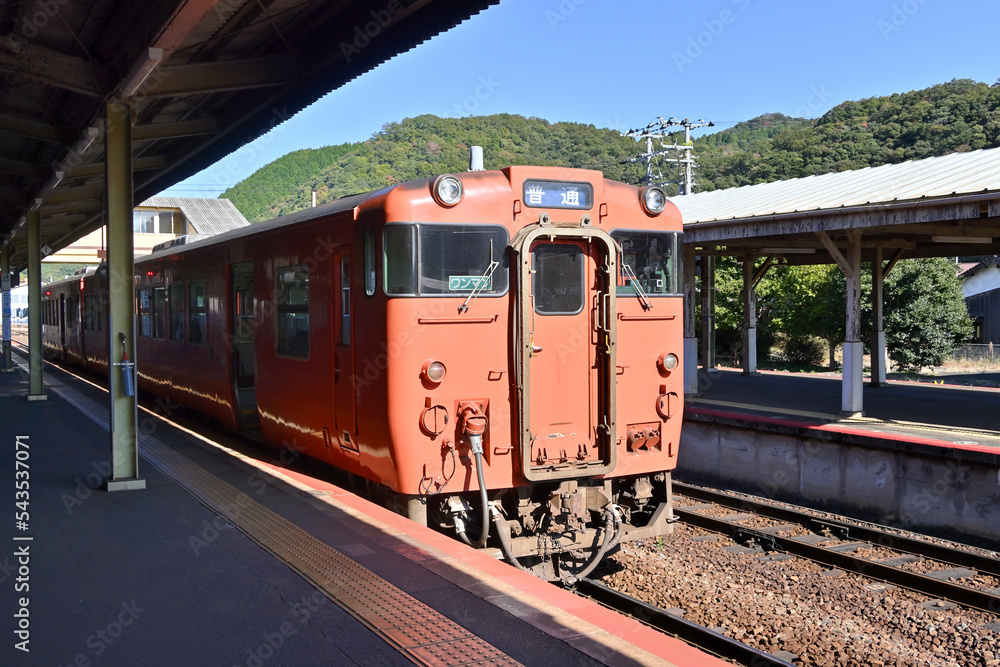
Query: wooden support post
x=708 y=312
x=749 y=318
x=690 y=335
x=877 y=343
x=852 y=388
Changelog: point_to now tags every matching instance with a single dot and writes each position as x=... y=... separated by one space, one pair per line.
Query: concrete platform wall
x=913 y=484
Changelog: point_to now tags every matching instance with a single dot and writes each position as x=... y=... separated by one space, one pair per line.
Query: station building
x=156 y=220
x=981 y=287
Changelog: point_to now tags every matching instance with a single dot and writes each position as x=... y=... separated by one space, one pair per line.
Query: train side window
x=92 y=312
x=159 y=312
x=71 y=312
x=370 y=275
x=175 y=304
x=88 y=312
x=145 y=313
x=293 y=311
x=399 y=259
x=345 y=300
x=197 y=312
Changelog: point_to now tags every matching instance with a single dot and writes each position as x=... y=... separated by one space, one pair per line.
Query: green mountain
x=424 y=146
x=953 y=117
x=961 y=115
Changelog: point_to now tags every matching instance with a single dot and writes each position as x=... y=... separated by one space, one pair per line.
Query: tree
x=925 y=315
x=809 y=301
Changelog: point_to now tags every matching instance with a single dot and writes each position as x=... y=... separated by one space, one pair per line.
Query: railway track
x=837 y=544
x=673 y=624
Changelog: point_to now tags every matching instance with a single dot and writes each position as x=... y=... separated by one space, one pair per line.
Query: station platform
x=231 y=559
x=948 y=415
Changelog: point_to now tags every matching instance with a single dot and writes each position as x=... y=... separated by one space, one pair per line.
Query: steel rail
x=692 y=633
x=879 y=537
x=958 y=593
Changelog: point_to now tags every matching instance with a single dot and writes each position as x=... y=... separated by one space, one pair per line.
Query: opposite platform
x=952 y=415
x=176 y=574
x=925 y=458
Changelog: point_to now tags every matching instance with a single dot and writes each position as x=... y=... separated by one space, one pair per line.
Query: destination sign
x=555 y=194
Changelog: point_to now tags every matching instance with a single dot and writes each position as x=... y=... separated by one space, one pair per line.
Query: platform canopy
x=205 y=77
x=939 y=206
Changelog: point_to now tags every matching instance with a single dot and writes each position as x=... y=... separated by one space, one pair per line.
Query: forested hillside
x=953 y=117
x=425 y=146
x=961 y=115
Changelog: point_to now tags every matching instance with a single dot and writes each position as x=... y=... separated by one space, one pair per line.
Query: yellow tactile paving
x=421 y=633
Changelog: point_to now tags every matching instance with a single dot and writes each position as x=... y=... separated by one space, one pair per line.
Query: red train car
x=498 y=352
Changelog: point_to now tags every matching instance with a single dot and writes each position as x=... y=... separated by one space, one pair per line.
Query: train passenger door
x=62 y=325
x=243 y=366
x=341 y=312
x=566 y=359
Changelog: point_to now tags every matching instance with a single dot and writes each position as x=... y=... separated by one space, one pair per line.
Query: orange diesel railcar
x=498 y=351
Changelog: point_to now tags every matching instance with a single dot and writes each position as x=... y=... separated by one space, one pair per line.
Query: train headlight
x=667 y=362
x=433 y=371
x=447 y=190
x=653 y=200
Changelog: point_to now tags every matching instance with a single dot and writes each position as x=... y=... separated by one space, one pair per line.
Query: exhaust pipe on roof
x=475 y=158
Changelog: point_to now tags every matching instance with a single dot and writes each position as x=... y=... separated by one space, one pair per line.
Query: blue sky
x=620 y=64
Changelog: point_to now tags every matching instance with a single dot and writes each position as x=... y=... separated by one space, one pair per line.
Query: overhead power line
x=659 y=130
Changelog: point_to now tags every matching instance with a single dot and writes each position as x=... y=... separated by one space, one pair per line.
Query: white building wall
x=983 y=280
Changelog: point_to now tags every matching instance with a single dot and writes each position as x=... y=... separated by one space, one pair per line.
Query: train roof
x=337 y=206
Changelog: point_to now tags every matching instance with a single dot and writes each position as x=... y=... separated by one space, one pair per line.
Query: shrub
x=804 y=350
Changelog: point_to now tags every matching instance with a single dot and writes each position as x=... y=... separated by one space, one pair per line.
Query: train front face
x=534 y=315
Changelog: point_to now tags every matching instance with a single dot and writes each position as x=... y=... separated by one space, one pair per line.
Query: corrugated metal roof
x=948 y=175
x=229 y=72
x=207 y=216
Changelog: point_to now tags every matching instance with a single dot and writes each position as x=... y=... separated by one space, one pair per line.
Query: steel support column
x=35 y=392
x=690 y=335
x=749 y=318
x=121 y=326
x=708 y=312
x=877 y=344
x=6 y=364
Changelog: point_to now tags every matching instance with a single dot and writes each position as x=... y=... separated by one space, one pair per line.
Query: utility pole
x=682 y=154
x=679 y=153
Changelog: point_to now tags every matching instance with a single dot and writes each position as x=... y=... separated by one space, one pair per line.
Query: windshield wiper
x=486 y=279
x=627 y=270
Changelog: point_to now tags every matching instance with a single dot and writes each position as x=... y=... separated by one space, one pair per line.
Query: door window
x=557 y=279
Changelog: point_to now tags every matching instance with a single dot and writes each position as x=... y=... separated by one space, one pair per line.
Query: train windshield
x=453 y=260
x=650 y=259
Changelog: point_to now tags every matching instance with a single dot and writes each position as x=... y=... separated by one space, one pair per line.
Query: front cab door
x=565 y=338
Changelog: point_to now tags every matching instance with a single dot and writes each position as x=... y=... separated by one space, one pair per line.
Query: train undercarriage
x=558 y=531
